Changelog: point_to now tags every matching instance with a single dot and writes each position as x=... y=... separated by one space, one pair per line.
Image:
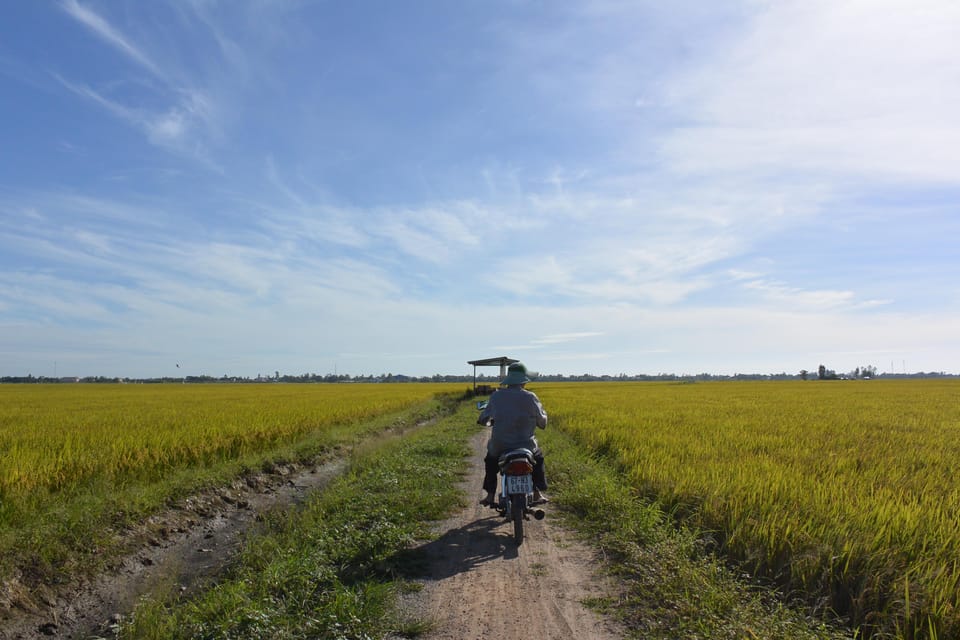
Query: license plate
x=519 y=484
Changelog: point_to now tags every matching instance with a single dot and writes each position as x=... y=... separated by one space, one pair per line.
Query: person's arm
x=486 y=414
x=541 y=416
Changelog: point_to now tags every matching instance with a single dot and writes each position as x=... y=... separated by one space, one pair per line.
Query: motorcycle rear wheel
x=516 y=514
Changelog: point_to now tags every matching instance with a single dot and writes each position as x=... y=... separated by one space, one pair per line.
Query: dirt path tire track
x=481 y=585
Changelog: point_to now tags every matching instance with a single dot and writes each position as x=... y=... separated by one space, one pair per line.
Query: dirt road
x=481 y=585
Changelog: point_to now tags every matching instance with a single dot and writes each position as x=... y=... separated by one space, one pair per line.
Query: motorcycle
x=515 y=494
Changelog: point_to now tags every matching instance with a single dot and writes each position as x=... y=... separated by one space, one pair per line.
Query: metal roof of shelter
x=503 y=362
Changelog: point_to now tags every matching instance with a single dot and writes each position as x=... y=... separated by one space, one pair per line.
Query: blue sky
x=368 y=187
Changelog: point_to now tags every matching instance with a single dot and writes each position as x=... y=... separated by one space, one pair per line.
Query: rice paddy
x=56 y=437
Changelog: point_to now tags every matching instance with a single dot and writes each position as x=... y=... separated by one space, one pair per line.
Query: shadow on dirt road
x=458 y=550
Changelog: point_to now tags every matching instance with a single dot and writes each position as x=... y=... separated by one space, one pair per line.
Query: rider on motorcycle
x=515 y=414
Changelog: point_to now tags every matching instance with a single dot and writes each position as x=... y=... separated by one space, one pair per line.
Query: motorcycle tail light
x=518 y=468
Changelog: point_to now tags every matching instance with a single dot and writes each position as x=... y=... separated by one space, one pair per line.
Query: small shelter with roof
x=503 y=362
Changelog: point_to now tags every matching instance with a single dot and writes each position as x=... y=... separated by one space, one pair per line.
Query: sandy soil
x=481 y=585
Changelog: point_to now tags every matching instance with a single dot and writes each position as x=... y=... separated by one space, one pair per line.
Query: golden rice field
x=845 y=491
x=55 y=437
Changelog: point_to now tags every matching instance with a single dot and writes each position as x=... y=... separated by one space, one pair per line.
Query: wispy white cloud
x=619 y=265
x=431 y=234
x=779 y=294
x=346 y=275
x=181 y=127
x=109 y=34
x=49 y=300
x=193 y=112
x=318 y=225
x=861 y=88
x=559 y=338
x=187 y=117
x=117 y=109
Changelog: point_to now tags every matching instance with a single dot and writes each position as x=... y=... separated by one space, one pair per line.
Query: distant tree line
x=866 y=372
x=823 y=373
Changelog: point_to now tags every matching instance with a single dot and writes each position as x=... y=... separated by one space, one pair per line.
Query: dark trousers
x=491 y=468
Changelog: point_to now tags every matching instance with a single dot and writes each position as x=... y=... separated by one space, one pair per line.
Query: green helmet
x=516 y=374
